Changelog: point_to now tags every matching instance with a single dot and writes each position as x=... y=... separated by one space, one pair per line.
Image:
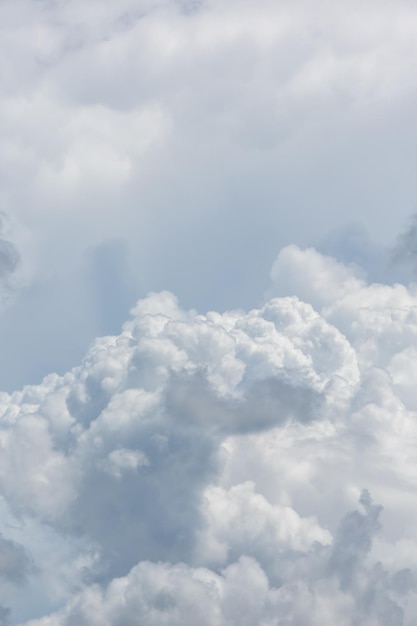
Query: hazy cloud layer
x=235 y=468
x=201 y=136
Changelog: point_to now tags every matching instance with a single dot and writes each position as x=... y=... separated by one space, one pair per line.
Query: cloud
x=326 y=585
x=165 y=400
x=14 y=563
x=15 y=567
x=188 y=128
x=405 y=249
x=9 y=261
x=206 y=454
x=8 y=258
x=190 y=467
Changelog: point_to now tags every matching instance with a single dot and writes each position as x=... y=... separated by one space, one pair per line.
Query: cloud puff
x=200 y=467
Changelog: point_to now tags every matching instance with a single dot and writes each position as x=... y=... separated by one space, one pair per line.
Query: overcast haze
x=208 y=313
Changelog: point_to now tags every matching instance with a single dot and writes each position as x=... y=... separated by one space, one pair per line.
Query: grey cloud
x=353 y=244
x=373 y=588
x=353 y=540
x=151 y=513
x=15 y=568
x=4 y=616
x=14 y=562
x=405 y=249
x=267 y=403
x=154 y=512
x=9 y=257
x=190 y=6
x=93 y=401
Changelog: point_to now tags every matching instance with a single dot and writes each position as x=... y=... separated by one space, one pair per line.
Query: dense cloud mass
x=222 y=469
x=256 y=464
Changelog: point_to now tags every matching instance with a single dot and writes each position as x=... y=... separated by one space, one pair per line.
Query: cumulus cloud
x=330 y=585
x=228 y=467
x=222 y=468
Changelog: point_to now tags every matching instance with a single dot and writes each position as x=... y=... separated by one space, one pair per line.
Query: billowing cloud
x=222 y=468
x=325 y=586
x=246 y=465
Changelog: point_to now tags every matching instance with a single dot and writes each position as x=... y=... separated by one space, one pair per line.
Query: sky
x=208 y=313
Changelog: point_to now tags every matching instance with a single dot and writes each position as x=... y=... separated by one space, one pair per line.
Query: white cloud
x=241 y=594
x=206 y=468
x=205 y=454
x=241 y=521
x=211 y=131
x=99 y=147
x=122 y=460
